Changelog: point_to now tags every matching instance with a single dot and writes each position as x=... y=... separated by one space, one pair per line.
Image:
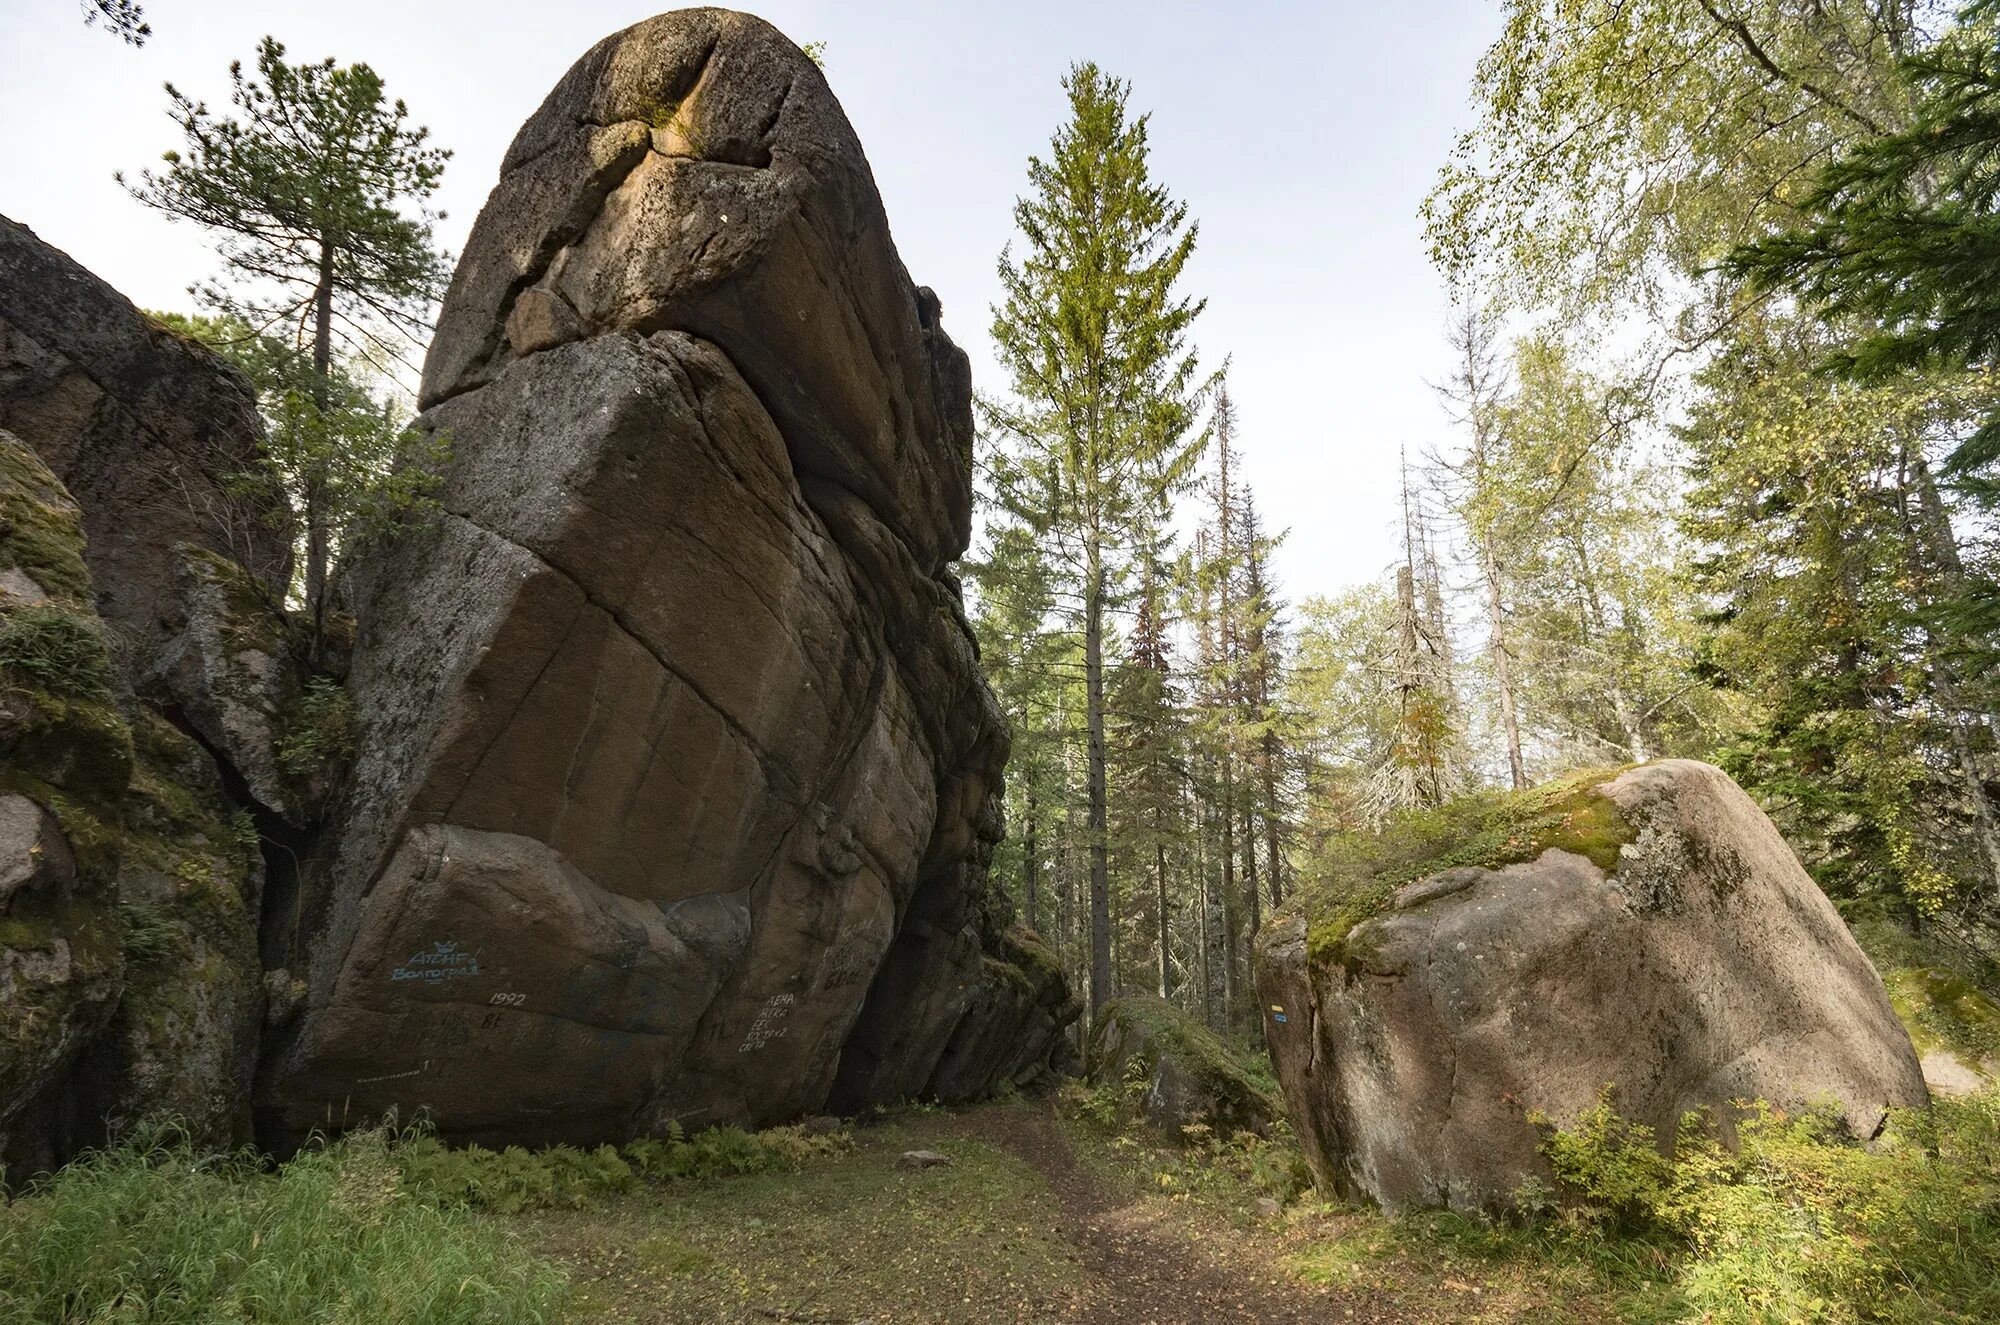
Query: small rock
x=1268 y=1208
x=924 y=1159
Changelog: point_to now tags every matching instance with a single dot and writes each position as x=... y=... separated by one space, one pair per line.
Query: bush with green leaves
x=316 y=731
x=1800 y=1222
x=153 y=1232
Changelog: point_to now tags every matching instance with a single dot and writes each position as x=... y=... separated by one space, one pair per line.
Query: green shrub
x=1801 y=1223
x=316 y=731
x=151 y=1232
x=56 y=650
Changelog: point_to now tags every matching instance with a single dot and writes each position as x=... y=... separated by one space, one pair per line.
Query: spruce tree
x=1105 y=396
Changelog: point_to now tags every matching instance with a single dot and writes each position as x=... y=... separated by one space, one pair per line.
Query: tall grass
x=154 y=1233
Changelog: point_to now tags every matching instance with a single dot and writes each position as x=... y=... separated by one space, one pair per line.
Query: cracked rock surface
x=1705 y=968
x=677 y=775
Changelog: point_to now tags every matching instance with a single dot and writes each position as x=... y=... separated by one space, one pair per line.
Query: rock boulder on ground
x=677 y=776
x=1177 y=1071
x=1648 y=931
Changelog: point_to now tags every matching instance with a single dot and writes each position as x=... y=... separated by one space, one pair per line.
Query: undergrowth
x=154 y=1232
x=1799 y=1223
x=384 y=1227
x=513 y=1180
x=55 y=650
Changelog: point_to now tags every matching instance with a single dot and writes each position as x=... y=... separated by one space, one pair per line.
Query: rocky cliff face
x=1654 y=935
x=155 y=439
x=129 y=978
x=678 y=775
x=675 y=776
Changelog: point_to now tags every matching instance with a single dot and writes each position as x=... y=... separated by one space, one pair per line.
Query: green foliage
x=305 y=188
x=56 y=650
x=147 y=930
x=515 y=1179
x=154 y=1232
x=316 y=731
x=1801 y=1223
x=124 y=19
x=816 y=52
x=317 y=191
x=350 y=459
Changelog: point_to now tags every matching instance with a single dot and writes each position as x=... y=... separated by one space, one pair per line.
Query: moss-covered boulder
x=182 y=1043
x=1645 y=929
x=65 y=759
x=1176 y=1071
x=129 y=981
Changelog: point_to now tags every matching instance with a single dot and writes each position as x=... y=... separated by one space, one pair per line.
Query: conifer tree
x=1101 y=419
x=317 y=190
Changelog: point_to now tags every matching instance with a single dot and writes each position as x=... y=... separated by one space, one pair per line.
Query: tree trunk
x=1503 y=668
x=1250 y=876
x=1232 y=925
x=318 y=536
x=1942 y=542
x=1207 y=900
x=1029 y=862
x=1093 y=686
x=1621 y=703
x=1160 y=900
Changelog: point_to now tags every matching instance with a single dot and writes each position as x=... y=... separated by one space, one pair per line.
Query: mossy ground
x=1360 y=872
x=1943 y=1003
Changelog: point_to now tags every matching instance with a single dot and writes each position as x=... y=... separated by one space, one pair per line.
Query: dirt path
x=1141 y=1271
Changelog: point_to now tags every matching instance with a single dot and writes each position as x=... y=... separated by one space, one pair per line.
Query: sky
x=1303 y=137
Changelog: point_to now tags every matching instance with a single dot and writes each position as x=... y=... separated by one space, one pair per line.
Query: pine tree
x=1094 y=339
x=311 y=194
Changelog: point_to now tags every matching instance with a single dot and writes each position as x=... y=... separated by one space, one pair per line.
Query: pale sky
x=1302 y=135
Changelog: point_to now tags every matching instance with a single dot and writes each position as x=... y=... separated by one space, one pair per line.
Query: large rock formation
x=128 y=964
x=677 y=776
x=154 y=436
x=1651 y=933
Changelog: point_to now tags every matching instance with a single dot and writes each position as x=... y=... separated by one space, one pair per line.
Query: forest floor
x=1037 y=1218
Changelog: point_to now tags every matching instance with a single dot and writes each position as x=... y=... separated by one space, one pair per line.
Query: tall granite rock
x=1650 y=932
x=677 y=775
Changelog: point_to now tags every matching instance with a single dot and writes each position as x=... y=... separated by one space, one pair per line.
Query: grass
x=854 y=1236
x=1359 y=873
x=153 y=1233
x=56 y=650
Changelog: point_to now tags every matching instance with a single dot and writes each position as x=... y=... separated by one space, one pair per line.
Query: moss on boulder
x=1175 y=1070
x=1487 y=830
